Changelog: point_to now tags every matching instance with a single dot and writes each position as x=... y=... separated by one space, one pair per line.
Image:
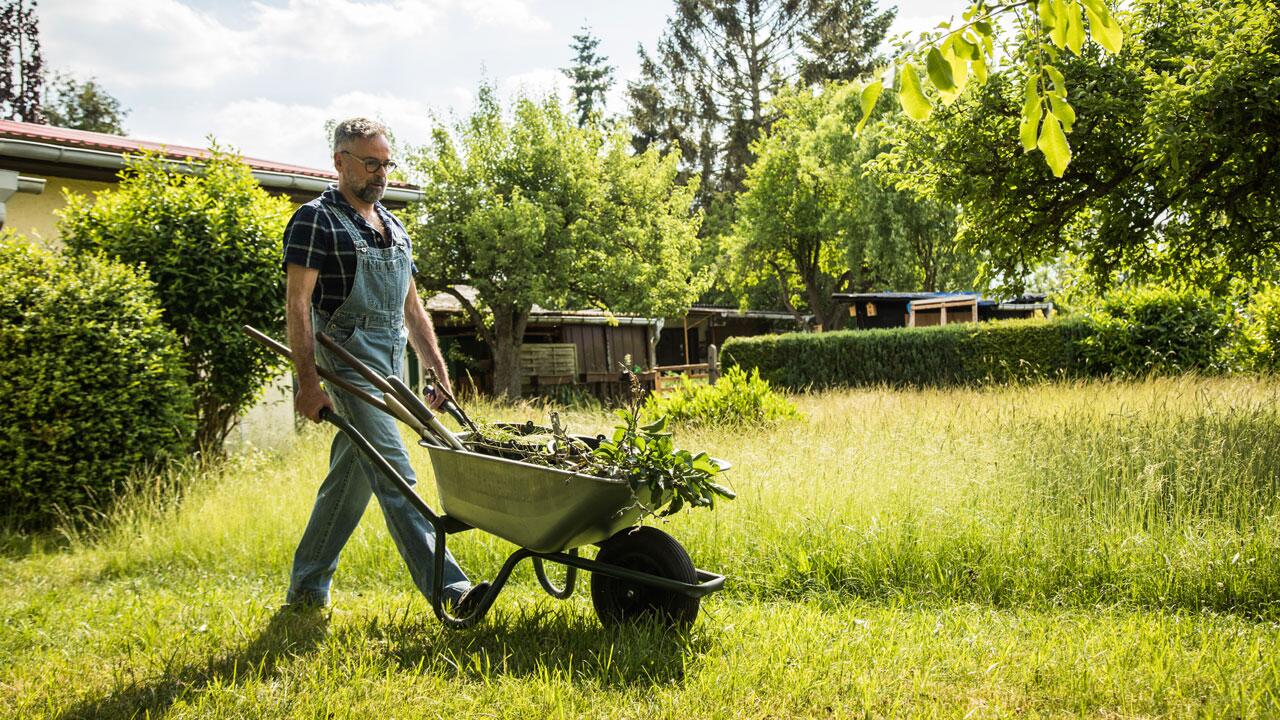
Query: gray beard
x=371 y=193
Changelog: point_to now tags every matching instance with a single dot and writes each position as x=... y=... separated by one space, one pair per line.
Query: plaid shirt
x=315 y=238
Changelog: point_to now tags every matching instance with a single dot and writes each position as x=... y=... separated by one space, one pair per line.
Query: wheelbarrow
x=638 y=572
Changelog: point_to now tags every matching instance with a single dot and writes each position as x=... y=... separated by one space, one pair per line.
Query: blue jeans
x=352 y=478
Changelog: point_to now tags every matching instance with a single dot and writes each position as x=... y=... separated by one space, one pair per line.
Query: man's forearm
x=422 y=335
x=302 y=341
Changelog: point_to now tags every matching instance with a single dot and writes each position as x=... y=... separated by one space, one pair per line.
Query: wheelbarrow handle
x=283 y=350
x=394 y=389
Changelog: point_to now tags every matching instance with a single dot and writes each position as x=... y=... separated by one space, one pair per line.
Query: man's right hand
x=310 y=401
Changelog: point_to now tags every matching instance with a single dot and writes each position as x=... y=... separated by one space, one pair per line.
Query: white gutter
x=45 y=152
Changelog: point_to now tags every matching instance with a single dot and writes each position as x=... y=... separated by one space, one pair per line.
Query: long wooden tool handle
x=280 y=349
x=365 y=371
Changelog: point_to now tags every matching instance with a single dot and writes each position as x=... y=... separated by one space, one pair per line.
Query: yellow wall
x=32 y=215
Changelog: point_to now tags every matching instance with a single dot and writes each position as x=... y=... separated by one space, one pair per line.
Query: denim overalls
x=370 y=325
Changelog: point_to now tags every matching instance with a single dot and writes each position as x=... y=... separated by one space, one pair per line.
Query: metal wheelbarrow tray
x=544 y=509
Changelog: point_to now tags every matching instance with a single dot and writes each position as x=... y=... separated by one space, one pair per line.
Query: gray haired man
x=349 y=266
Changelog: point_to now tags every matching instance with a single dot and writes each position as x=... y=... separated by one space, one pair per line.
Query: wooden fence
x=668 y=376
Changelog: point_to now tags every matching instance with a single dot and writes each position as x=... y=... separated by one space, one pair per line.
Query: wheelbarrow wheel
x=648 y=550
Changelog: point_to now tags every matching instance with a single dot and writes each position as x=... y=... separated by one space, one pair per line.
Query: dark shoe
x=469 y=603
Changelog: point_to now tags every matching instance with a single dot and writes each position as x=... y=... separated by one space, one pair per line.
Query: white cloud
x=534 y=83
x=273 y=130
x=151 y=42
x=511 y=14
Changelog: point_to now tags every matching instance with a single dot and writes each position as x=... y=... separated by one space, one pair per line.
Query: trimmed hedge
x=92 y=385
x=960 y=354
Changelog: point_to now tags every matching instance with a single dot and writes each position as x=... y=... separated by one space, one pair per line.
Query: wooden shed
x=561 y=347
x=922 y=309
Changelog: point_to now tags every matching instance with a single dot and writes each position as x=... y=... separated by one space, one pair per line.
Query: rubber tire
x=649 y=550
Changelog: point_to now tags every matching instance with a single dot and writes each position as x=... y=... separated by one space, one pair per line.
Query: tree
x=22 y=72
x=719 y=62
x=591 y=77
x=83 y=106
x=531 y=209
x=1175 y=169
x=815 y=221
x=209 y=238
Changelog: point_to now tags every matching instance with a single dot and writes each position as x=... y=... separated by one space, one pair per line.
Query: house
x=39 y=162
x=923 y=309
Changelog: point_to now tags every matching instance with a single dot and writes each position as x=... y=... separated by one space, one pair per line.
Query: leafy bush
x=736 y=399
x=1154 y=329
x=1257 y=344
x=960 y=354
x=210 y=241
x=91 y=383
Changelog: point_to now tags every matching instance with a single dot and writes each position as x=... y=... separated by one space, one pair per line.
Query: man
x=349 y=273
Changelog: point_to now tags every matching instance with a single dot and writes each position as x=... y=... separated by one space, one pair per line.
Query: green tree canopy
x=1177 y=164
x=209 y=238
x=590 y=77
x=707 y=87
x=82 y=106
x=813 y=220
x=532 y=209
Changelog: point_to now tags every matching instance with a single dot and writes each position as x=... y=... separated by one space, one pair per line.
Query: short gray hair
x=356 y=128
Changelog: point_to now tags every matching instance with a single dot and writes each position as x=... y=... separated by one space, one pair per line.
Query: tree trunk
x=508 y=337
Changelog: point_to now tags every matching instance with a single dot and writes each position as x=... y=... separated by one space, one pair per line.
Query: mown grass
x=1054 y=550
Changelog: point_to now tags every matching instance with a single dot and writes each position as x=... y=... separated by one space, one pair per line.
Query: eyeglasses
x=371 y=165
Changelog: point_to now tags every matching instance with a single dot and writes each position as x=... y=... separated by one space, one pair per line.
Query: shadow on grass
x=533 y=641
x=527 y=642
x=291 y=632
x=16 y=544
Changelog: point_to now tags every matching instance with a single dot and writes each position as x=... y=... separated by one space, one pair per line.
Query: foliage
x=957 y=54
x=1259 y=332
x=646 y=456
x=91 y=384
x=534 y=210
x=737 y=399
x=1154 y=329
x=1174 y=159
x=590 y=77
x=82 y=106
x=815 y=220
x=208 y=237
x=21 y=64
x=957 y=354
x=707 y=87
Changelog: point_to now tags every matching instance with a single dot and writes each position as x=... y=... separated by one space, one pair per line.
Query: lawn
x=1099 y=549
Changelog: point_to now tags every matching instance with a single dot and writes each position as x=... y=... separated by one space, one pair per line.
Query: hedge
x=960 y=354
x=92 y=386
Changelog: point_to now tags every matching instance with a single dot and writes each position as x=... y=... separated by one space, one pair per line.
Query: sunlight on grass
x=1056 y=549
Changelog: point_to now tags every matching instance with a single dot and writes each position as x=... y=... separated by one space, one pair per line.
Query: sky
x=264 y=76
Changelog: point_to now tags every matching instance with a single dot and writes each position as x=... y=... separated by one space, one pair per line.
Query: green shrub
x=736 y=399
x=1154 y=329
x=960 y=354
x=1257 y=345
x=210 y=241
x=91 y=383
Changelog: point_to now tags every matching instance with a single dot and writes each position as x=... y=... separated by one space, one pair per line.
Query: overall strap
x=357 y=237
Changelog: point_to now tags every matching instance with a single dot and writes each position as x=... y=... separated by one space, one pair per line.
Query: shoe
x=469 y=602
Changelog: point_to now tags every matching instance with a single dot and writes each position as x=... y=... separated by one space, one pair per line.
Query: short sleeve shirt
x=316 y=238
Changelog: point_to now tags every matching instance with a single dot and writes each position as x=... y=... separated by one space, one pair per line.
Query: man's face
x=350 y=164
